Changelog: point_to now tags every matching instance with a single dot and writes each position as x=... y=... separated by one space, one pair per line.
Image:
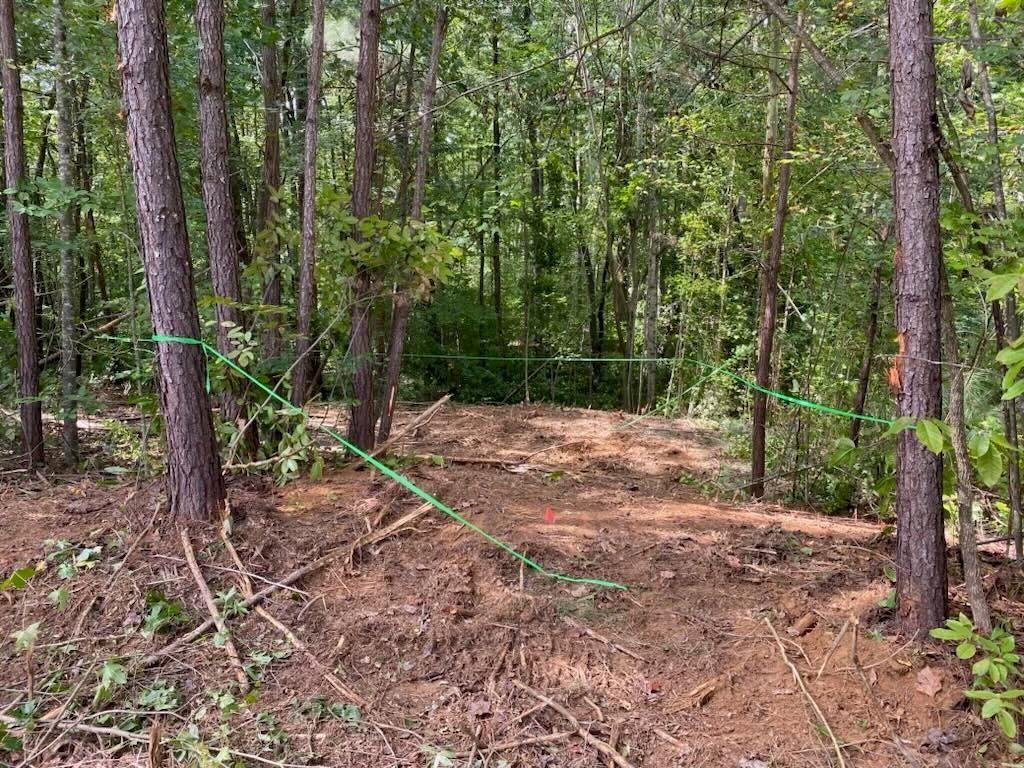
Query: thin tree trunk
x=31 y=410
x=194 y=480
x=68 y=263
x=920 y=543
x=361 y=421
x=651 y=303
x=400 y=302
x=1011 y=409
x=301 y=376
x=864 y=374
x=221 y=229
x=496 y=170
x=267 y=207
x=962 y=465
x=770 y=287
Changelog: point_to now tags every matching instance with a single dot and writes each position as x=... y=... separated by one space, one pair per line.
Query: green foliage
x=112 y=675
x=25 y=638
x=995 y=669
x=162 y=614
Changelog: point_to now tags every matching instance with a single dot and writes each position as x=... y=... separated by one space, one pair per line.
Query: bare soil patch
x=438 y=631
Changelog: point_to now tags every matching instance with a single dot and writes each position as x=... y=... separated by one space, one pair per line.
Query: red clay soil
x=439 y=631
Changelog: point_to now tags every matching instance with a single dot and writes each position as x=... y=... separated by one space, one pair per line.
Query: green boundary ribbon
x=386 y=470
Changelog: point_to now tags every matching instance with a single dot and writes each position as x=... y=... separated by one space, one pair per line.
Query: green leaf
x=60 y=597
x=1006 y=724
x=980 y=694
x=1000 y=285
x=26 y=638
x=989 y=466
x=966 y=650
x=1015 y=391
x=929 y=433
x=19 y=578
x=990 y=707
x=898 y=425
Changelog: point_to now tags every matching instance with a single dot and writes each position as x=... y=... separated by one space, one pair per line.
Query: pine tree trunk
x=221 y=243
x=301 y=375
x=267 y=206
x=651 y=304
x=400 y=302
x=194 y=479
x=31 y=410
x=770 y=280
x=361 y=421
x=864 y=374
x=920 y=543
x=68 y=261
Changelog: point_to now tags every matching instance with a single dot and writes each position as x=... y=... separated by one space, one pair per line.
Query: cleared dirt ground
x=448 y=640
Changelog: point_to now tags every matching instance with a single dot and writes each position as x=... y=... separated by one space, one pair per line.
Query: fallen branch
x=835 y=645
x=601 y=638
x=412 y=426
x=211 y=606
x=246 y=586
x=911 y=760
x=503 y=746
x=807 y=694
x=107 y=326
x=374 y=536
x=582 y=732
x=256 y=599
x=667 y=737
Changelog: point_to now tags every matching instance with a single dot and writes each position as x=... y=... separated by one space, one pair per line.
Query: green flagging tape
x=397 y=477
x=715 y=369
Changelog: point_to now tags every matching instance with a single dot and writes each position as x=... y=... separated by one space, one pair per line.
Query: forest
x=506 y=384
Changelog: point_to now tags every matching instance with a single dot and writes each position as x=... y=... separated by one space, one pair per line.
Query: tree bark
x=770 y=280
x=361 y=420
x=267 y=206
x=496 y=170
x=962 y=465
x=31 y=410
x=221 y=229
x=401 y=300
x=301 y=376
x=1011 y=409
x=920 y=542
x=870 y=333
x=68 y=261
x=194 y=479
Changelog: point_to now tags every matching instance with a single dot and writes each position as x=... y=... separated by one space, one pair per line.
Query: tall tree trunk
x=194 y=480
x=920 y=543
x=68 y=259
x=496 y=170
x=267 y=206
x=770 y=280
x=1011 y=409
x=400 y=302
x=221 y=242
x=360 y=429
x=962 y=466
x=31 y=409
x=870 y=332
x=651 y=302
x=402 y=138
x=307 y=264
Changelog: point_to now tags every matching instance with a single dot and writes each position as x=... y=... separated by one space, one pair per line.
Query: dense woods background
x=381 y=203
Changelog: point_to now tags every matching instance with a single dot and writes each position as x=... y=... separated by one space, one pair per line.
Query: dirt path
x=435 y=625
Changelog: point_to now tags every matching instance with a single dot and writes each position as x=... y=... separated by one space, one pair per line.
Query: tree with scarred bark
x=920 y=541
x=194 y=480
